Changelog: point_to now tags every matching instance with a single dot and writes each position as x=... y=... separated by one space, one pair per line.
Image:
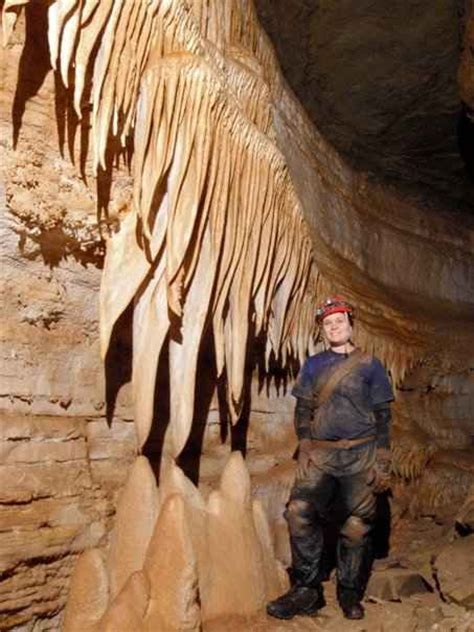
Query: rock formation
x=226 y=573
x=154 y=149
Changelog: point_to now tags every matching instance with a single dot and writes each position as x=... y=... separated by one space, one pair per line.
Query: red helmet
x=333 y=305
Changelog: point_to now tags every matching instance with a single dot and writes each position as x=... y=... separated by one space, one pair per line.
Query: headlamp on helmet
x=333 y=305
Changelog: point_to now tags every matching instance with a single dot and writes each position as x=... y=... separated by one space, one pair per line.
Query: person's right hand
x=304 y=458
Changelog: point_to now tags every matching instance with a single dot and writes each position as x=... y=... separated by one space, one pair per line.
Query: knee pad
x=355 y=529
x=297 y=515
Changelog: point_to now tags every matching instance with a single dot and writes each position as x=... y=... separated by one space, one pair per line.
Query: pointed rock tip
x=235 y=479
x=128 y=609
x=174 y=480
x=141 y=470
x=88 y=593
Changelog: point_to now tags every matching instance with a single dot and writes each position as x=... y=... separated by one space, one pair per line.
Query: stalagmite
x=134 y=523
x=173 y=481
x=127 y=611
x=88 y=593
x=171 y=568
x=276 y=578
x=236 y=583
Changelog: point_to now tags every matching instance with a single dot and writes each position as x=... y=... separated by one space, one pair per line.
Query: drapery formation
x=215 y=237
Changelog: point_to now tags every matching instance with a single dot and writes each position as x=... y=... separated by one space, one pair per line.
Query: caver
x=342 y=420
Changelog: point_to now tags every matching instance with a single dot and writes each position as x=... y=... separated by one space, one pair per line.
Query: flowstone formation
x=223 y=217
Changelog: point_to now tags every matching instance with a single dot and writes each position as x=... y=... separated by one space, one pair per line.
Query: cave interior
x=181 y=183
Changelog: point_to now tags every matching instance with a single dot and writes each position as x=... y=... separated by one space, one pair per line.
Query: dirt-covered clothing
x=319 y=500
x=337 y=487
x=349 y=411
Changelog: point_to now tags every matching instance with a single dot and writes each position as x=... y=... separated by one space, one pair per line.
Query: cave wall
x=61 y=463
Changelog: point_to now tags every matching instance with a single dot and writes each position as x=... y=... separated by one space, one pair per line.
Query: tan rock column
x=276 y=578
x=127 y=611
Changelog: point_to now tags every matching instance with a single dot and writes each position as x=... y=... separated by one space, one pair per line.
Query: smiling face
x=337 y=329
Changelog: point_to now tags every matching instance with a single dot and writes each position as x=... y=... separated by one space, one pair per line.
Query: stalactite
x=215 y=238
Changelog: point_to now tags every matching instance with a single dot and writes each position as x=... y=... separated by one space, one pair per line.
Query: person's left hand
x=382 y=481
x=381 y=472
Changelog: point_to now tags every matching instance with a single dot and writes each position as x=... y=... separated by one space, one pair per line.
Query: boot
x=356 y=611
x=298 y=600
x=349 y=600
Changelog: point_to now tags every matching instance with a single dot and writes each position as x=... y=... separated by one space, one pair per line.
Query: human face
x=337 y=329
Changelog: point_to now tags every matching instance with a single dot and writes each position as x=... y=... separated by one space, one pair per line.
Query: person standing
x=342 y=421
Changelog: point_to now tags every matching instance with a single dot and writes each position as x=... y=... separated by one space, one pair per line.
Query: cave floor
x=412 y=546
x=406 y=573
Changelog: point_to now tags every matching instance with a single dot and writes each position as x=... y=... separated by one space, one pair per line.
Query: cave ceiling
x=379 y=80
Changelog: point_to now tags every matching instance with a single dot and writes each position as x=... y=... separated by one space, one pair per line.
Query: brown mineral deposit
x=276 y=578
x=236 y=583
x=174 y=481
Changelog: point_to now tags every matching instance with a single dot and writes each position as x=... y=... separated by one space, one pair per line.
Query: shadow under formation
x=34 y=63
x=75 y=133
x=210 y=390
x=72 y=130
x=118 y=361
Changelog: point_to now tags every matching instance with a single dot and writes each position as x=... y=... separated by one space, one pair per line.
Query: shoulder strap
x=356 y=358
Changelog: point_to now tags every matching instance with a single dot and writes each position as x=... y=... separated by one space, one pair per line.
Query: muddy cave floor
x=403 y=593
x=413 y=544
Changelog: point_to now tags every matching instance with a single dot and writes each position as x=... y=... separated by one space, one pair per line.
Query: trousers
x=326 y=498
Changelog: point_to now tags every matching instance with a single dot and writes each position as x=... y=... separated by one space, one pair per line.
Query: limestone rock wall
x=61 y=463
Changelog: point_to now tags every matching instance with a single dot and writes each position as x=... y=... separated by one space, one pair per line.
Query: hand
x=304 y=458
x=382 y=481
x=381 y=472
